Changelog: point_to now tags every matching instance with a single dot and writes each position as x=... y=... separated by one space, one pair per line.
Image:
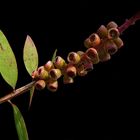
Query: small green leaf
x=8 y=65
x=54 y=55
x=31 y=95
x=19 y=123
x=30 y=55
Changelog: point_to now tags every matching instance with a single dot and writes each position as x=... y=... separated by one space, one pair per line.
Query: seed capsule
x=55 y=74
x=112 y=24
x=92 y=41
x=84 y=66
x=80 y=53
x=111 y=47
x=71 y=71
x=49 y=65
x=102 y=32
x=113 y=33
x=42 y=73
x=73 y=58
x=67 y=80
x=59 y=62
x=118 y=41
x=40 y=84
x=52 y=86
x=35 y=74
x=87 y=63
x=82 y=72
x=103 y=54
x=93 y=55
x=87 y=43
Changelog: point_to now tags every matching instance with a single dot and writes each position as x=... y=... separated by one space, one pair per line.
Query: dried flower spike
x=101 y=45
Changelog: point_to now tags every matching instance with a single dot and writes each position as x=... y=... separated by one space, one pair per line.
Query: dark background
x=101 y=105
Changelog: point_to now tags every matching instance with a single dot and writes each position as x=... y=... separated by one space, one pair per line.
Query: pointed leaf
x=8 y=65
x=19 y=123
x=54 y=55
x=30 y=55
x=31 y=95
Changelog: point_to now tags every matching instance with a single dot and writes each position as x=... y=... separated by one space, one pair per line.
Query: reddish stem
x=129 y=22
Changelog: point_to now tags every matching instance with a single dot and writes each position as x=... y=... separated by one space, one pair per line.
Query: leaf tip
x=28 y=37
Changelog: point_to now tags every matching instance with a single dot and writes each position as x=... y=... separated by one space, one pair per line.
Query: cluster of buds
x=100 y=46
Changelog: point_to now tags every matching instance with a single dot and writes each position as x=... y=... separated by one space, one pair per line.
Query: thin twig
x=17 y=92
x=129 y=22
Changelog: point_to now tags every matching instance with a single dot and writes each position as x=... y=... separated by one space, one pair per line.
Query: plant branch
x=17 y=92
x=129 y=22
x=27 y=87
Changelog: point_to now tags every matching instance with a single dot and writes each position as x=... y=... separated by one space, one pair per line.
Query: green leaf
x=19 y=123
x=31 y=95
x=30 y=55
x=54 y=55
x=8 y=65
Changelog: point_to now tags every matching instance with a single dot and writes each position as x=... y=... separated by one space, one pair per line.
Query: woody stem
x=17 y=92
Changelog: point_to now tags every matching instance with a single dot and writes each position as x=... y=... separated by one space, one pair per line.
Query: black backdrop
x=101 y=105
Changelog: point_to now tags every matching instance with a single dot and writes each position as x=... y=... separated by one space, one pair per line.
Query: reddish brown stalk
x=17 y=92
x=129 y=22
